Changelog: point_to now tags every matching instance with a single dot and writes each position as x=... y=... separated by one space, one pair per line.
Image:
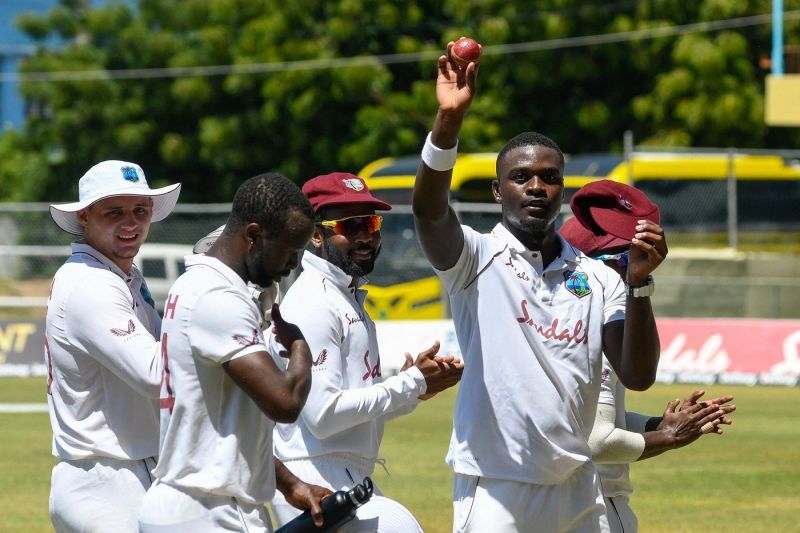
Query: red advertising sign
x=730 y=347
x=704 y=350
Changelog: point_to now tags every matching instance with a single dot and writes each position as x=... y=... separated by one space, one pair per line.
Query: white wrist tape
x=439 y=159
x=610 y=444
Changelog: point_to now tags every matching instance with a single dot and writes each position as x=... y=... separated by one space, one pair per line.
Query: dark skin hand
x=647 y=251
x=440 y=371
x=280 y=395
x=680 y=427
x=621 y=339
x=286 y=332
x=299 y=494
x=695 y=396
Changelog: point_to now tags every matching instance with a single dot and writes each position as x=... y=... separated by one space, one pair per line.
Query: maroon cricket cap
x=606 y=214
x=340 y=188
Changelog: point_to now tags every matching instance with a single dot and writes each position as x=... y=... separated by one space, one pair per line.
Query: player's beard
x=338 y=258
x=257 y=272
x=535 y=227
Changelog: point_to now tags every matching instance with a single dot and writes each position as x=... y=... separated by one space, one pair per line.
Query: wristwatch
x=645 y=291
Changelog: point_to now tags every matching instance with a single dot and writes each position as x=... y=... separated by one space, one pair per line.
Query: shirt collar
x=329 y=271
x=80 y=247
x=569 y=254
x=226 y=271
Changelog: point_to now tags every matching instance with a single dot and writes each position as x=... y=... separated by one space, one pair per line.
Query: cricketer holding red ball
x=533 y=316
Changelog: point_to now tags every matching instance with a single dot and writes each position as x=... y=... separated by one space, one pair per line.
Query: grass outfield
x=745 y=480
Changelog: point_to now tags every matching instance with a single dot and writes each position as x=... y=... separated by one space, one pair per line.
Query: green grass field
x=745 y=480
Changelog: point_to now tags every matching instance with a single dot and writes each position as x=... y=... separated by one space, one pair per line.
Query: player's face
x=272 y=258
x=351 y=245
x=117 y=226
x=530 y=187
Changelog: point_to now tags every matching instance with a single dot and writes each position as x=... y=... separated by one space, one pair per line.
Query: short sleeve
x=458 y=276
x=614 y=296
x=225 y=324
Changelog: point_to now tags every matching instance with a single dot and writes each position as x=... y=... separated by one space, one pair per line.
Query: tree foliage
x=212 y=132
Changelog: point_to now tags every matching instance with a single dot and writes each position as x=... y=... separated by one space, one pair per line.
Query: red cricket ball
x=465 y=51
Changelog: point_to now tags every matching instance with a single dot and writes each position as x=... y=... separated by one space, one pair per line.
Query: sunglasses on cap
x=350 y=226
x=621 y=258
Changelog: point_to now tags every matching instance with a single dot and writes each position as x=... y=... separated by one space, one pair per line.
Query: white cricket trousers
x=168 y=509
x=621 y=517
x=98 y=494
x=481 y=505
x=342 y=472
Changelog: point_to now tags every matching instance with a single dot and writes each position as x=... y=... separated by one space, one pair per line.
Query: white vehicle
x=161 y=264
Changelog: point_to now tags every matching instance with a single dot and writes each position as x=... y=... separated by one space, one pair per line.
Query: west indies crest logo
x=354 y=183
x=130 y=174
x=577 y=283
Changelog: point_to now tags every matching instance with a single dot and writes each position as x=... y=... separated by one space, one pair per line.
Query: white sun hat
x=113 y=178
x=205 y=243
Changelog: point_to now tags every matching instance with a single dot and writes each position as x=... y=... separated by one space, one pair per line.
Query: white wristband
x=438 y=159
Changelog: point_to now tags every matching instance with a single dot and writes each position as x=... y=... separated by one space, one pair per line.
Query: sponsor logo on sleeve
x=249 y=341
x=321 y=358
x=124 y=332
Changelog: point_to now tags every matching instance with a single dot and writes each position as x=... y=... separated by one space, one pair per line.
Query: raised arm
x=633 y=347
x=437 y=226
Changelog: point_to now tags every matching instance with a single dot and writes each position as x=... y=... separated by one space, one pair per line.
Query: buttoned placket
x=541 y=282
x=534 y=259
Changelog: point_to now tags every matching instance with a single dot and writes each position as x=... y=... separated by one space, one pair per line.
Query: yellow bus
x=695 y=191
x=747 y=201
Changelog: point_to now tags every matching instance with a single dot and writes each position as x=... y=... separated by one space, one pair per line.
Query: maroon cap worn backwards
x=606 y=213
x=340 y=188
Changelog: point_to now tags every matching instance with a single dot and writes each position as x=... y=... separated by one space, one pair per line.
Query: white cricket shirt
x=102 y=357
x=615 y=477
x=348 y=402
x=217 y=440
x=531 y=339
